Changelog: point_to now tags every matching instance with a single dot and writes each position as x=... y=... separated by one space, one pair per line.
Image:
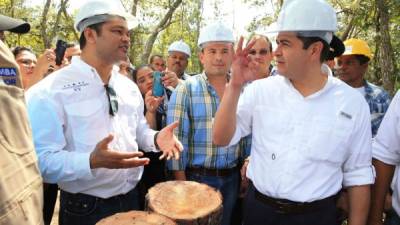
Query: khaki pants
x=21 y=190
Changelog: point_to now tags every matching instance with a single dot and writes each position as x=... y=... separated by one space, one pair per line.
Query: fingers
x=134 y=162
x=172 y=126
x=103 y=144
x=116 y=155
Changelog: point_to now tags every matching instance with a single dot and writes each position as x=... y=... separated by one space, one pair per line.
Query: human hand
x=103 y=157
x=170 y=79
x=152 y=102
x=168 y=143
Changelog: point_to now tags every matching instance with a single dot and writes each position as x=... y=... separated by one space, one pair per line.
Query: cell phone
x=61 y=46
x=158 y=87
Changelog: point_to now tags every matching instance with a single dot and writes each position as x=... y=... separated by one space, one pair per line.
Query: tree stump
x=186 y=202
x=137 y=218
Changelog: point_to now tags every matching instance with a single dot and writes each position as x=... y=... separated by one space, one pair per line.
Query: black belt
x=80 y=195
x=211 y=172
x=290 y=207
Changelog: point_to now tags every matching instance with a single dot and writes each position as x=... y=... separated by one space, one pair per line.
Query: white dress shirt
x=386 y=145
x=69 y=113
x=305 y=148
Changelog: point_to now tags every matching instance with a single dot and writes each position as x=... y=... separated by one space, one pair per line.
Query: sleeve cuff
x=359 y=176
x=82 y=164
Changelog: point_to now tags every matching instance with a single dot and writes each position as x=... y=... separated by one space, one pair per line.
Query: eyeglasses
x=112 y=99
x=261 y=52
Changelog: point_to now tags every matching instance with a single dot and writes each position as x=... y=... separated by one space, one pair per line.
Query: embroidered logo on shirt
x=8 y=75
x=77 y=86
x=348 y=116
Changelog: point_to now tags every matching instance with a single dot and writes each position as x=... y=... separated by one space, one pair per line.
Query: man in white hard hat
x=177 y=61
x=194 y=104
x=311 y=132
x=88 y=122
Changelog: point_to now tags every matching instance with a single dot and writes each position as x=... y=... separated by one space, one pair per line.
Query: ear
x=316 y=50
x=201 y=56
x=90 y=35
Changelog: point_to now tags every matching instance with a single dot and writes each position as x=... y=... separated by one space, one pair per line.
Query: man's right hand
x=103 y=157
x=243 y=69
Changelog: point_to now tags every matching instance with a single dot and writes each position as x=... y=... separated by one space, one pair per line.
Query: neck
x=356 y=83
x=217 y=80
x=102 y=67
x=310 y=81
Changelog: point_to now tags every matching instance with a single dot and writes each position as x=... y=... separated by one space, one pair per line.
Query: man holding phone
x=88 y=122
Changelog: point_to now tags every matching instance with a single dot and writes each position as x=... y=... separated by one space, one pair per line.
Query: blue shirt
x=378 y=101
x=194 y=104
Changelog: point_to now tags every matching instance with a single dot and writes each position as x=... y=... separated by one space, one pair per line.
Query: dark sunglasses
x=112 y=99
x=261 y=52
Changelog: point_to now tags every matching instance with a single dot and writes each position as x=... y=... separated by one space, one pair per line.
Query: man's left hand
x=168 y=142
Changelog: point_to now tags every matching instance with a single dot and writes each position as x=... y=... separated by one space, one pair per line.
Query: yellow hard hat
x=357 y=47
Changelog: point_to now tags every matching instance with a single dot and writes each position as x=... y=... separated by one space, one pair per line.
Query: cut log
x=186 y=202
x=137 y=218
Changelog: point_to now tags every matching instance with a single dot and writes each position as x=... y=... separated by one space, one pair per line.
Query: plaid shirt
x=194 y=104
x=378 y=101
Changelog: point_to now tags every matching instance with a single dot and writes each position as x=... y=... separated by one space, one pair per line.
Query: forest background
x=163 y=21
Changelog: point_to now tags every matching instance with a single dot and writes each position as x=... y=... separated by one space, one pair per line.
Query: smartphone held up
x=158 y=87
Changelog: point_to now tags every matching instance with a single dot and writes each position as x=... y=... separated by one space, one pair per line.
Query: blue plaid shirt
x=378 y=101
x=194 y=104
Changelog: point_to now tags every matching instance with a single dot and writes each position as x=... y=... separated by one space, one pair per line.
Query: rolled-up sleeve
x=55 y=163
x=386 y=145
x=358 y=169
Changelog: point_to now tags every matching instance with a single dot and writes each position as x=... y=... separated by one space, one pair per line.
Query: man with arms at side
x=311 y=132
x=88 y=122
x=194 y=104
x=178 y=56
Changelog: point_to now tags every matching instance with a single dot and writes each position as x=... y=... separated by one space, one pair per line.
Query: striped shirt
x=194 y=104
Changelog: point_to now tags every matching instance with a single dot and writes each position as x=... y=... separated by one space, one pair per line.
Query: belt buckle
x=283 y=207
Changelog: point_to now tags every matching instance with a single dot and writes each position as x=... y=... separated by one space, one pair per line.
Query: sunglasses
x=112 y=99
x=261 y=52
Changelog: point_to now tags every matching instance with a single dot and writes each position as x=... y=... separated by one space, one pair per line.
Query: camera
x=158 y=88
x=61 y=46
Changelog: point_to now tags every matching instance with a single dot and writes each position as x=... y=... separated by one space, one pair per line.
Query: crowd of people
x=291 y=135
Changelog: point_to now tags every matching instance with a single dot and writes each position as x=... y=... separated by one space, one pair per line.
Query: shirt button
x=273 y=156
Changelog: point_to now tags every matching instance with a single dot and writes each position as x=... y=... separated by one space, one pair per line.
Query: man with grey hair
x=194 y=104
x=88 y=122
x=311 y=132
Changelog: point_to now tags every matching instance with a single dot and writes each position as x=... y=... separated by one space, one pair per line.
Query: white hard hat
x=306 y=15
x=180 y=46
x=97 y=11
x=215 y=32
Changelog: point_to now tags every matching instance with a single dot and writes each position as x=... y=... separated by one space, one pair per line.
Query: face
x=290 y=57
x=26 y=61
x=260 y=52
x=158 y=64
x=144 y=79
x=177 y=62
x=123 y=68
x=216 y=58
x=350 y=71
x=113 y=40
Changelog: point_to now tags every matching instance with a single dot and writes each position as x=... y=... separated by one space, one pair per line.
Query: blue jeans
x=82 y=209
x=392 y=218
x=228 y=186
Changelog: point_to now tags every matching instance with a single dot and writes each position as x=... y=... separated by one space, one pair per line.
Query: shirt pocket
x=86 y=120
x=327 y=139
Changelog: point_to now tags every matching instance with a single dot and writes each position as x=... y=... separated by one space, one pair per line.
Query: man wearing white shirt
x=88 y=122
x=386 y=156
x=311 y=132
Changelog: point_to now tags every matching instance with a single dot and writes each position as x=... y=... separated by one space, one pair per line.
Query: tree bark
x=164 y=23
x=43 y=25
x=386 y=57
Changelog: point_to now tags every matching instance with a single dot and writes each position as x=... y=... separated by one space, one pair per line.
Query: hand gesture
x=103 y=157
x=243 y=69
x=168 y=143
x=244 y=184
x=152 y=102
x=170 y=79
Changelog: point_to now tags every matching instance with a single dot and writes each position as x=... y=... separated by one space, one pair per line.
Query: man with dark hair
x=21 y=189
x=157 y=63
x=178 y=55
x=88 y=122
x=311 y=132
x=352 y=66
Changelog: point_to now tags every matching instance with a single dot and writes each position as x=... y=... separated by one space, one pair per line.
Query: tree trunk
x=69 y=20
x=43 y=25
x=164 y=23
x=386 y=57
